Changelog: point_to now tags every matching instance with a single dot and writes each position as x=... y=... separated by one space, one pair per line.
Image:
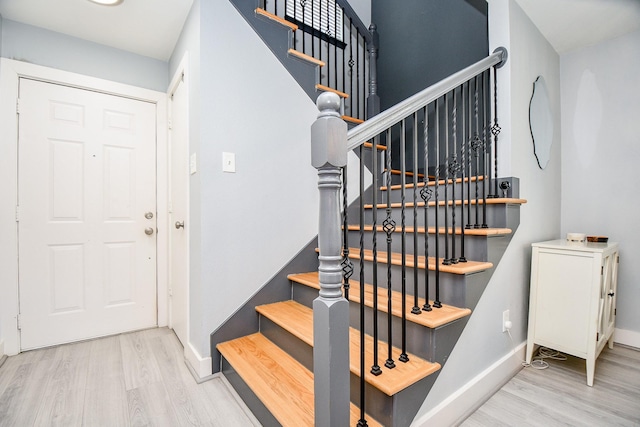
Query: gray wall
x=600 y=128
x=423 y=42
x=43 y=47
x=483 y=343
x=247 y=225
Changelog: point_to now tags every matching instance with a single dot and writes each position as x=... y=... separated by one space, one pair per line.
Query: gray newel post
x=330 y=309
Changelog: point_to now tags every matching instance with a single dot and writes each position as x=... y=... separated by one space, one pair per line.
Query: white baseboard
x=625 y=337
x=199 y=366
x=458 y=406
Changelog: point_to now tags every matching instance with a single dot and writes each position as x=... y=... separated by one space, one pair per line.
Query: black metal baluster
x=495 y=129
x=313 y=26
x=302 y=34
x=362 y=422
x=425 y=194
x=357 y=74
x=403 y=186
x=447 y=259
x=351 y=64
x=327 y=35
x=485 y=139
x=469 y=174
x=453 y=170
x=416 y=308
x=475 y=145
x=375 y=369
x=389 y=226
x=347 y=265
x=463 y=149
x=436 y=302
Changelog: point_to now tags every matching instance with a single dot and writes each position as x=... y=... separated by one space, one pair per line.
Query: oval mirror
x=541 y=122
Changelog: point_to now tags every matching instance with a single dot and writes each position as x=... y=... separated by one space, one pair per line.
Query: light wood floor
x=559 y=395
x=134 y=379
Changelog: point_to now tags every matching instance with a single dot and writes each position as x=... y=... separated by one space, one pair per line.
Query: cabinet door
x=563 y=297
x=608 y=282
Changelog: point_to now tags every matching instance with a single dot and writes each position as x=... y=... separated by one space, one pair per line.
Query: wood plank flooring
x=133 y=379
x=559 y=395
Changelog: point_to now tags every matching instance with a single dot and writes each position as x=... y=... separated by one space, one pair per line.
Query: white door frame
x=10 y=73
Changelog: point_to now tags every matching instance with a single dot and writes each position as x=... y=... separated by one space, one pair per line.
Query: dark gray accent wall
x=424 y=41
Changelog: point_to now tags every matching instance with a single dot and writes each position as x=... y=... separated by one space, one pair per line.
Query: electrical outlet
x=506 y=323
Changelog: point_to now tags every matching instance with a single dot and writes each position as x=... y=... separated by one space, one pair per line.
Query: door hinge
x=170 y=125
x=170 y=292
x=18 y=322
x=17 y=105
x=17 y=213
x=602 y=270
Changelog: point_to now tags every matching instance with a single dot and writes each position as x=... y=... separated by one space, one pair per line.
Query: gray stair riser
x=495 y=217
x=512 y=191
x=396 y=194
x=303 y=353
x=248 y=396
x=433 y=345
x=475 y=247
x=452 y=286
x=427 y=343
x=397 y=411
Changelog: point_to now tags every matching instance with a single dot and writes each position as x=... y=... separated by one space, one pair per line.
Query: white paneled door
x=179 y=196
x=87 y=214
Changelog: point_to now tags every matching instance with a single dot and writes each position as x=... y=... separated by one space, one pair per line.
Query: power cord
x=538 y=361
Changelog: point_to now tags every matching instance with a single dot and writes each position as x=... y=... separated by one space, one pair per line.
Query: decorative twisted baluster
x=425 y=194
x=486 y=147
x=436 y=302
x=447 y=259
x=416 y=308
x=476 y=145
x=389 y=226
x=463 y=169
x=495 y=129
x=330 y=309
x=347 y=265
x=454 y=168
x=403 y=186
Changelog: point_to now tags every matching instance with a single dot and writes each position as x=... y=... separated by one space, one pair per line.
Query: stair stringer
x=245 y=320
x=278 y=40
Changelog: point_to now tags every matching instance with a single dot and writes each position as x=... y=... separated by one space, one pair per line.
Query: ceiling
x=152 y=27
x=146 y=27
x=572 y=24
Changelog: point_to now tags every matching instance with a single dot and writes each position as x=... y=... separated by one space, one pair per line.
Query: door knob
x=179 y=225
x=148 y=231
x=148 y=215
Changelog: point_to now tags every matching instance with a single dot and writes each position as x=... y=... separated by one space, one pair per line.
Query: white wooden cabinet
x=573 y=298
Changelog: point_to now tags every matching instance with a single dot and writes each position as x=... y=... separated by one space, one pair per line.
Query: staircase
x=429 y=232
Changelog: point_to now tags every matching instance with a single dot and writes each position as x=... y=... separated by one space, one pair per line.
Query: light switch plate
x=229 y=162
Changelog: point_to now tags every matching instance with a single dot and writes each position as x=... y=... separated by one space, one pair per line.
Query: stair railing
x=448 y=131
x=331 y=32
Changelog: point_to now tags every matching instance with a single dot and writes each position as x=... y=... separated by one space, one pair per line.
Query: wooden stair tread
x=407 y=173
x=430 y=319
x=282 y=384
x=396 y=259
x=279 y=20
x=441 y=230
x=324 y=88
x=352 y=120
x=378 y=146
x=305 y=57
x=298 y=319
x=457 y=202
x=432 y=182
